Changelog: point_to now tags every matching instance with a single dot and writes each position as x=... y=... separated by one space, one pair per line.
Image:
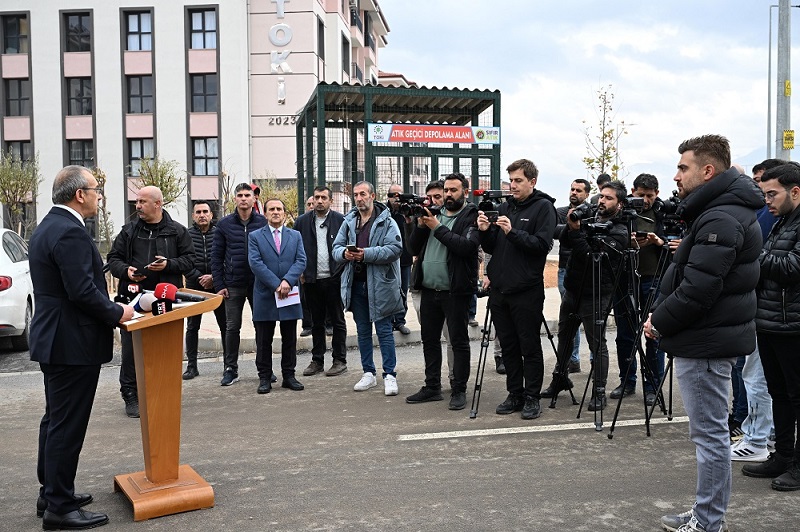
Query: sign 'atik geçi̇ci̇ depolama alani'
x=432 y=133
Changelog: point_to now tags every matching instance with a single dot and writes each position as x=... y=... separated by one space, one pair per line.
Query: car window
x=15 y=247
x=23 y=246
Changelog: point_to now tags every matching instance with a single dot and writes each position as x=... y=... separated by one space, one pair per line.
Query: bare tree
x=164 y=174
x=270 y=189
x=19 y=186
x=602 y=140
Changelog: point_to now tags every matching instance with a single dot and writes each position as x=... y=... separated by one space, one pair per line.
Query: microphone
x=134 y=288
x=170 y=292
x=161 y=306
x=144 y=303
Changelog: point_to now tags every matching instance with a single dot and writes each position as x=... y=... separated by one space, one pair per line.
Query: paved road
x=329 y=458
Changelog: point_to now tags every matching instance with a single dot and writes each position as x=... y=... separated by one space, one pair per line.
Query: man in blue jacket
x=369 y=244
x=71 y=336
x=705 y=313
x=277 y=259
x=231 y=272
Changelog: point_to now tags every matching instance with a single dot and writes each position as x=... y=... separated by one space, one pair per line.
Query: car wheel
x=22 y=342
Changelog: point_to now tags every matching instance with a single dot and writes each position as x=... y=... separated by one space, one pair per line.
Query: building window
x=15 y=34
x=140 y=94
x=204 y=29
x=140 y=31
x=204 y=93
x=80 y=96
x=139 y=149
x=81 y=153
x=22 y=150
x=345 y=54
x=79 y=34
x=18 y=97
x=320 y=39
x=205 y=156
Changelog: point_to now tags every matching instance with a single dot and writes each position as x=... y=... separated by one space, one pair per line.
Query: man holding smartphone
x=149 y=250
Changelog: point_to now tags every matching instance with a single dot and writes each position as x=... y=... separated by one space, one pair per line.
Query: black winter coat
x=202 y=254
x=169 y=239
x=306 y=224
x=462 y=251
x=707 y=304
x=518 y=258
x=578 y=279
x=229 y=263
x=779 y=286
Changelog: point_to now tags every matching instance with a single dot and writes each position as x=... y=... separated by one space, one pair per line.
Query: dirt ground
x=551 y=273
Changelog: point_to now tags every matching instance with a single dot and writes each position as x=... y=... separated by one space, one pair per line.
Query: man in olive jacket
x=705 y=313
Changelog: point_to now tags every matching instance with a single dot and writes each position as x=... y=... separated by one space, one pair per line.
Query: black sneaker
x=775 y=466
x=190 y=373
x=789 y=481
x=650 y=398
x=425 y=395
x=513 y=403
x=131 y=404
x=622 y=391
x=229 y=377
x=500 y=366
x=558 y=384
x=531 y=408
x=458 y=400
x=574 y=367
x=597 y=402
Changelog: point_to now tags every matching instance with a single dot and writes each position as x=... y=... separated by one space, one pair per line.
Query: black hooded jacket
x=518 y=258
x=707 y=304
x=779 y=286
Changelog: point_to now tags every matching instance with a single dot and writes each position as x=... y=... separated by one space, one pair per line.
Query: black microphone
x=180 y=297
x=161 y=306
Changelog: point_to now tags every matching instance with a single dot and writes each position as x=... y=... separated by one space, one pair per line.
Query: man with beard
x=447 y=276
x=705 y=313
x=519 y=242
x=578 y=304
x=406 y=259
x=578 y=194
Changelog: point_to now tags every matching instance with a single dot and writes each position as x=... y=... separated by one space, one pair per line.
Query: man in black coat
x=705 y=313
x=778 y=325
x=71 y=336
x=149 y=250
x=322 y=282
x=447 y=276
x=519 y=242
x=200 y=278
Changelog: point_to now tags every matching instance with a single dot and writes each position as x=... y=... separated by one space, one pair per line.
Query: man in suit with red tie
x=71 y=336
x=277 y=259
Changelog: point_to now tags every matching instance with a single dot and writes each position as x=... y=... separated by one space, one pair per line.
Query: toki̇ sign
x=432 y=133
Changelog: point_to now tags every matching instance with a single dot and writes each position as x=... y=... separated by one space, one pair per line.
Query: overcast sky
x=678 y=69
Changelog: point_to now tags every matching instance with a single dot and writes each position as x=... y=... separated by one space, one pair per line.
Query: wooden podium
x=164 y=487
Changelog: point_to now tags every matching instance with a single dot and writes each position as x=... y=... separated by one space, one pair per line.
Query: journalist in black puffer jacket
x=707 y=304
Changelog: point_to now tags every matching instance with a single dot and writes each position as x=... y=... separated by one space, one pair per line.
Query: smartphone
x=140 y=272
x=492 y=216
x=353 y=249
x=641 y=234
x=159 y=261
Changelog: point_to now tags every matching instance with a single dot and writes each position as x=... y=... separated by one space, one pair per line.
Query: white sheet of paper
x=292 y=299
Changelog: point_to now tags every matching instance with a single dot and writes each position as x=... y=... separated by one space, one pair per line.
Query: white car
x=16 y=290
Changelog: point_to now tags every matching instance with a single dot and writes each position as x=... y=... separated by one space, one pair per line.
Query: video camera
x=490 y=202
x=413 y=205
x=674 y=226
x=669 y=205
x=584 y=211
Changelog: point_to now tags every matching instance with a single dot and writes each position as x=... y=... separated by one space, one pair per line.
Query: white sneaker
x=367 y=381
x=390 y=385
x=743 y=451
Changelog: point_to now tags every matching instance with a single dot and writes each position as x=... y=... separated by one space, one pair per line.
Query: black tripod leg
x=561 y=366
x=481 y=369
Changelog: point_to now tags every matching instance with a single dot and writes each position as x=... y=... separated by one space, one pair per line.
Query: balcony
x=370 y=41
x=356 y=72
x=355 y=20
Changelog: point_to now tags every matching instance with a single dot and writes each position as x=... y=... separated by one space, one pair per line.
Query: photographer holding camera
x=648 y=239
x=519 y=242
x=447 y=276
x=607 y=233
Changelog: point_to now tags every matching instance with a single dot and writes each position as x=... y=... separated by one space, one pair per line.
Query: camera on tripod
x=669 y=205
x=593 y=229
x=414 y=206
x=490 y=202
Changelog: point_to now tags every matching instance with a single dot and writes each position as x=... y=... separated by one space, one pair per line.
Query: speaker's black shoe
x=81 y=499
x=74 y=520
x=292 y=384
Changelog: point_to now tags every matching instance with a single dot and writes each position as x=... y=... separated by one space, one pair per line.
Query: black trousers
x=265 y=331
x=69 y=394
x=781 y=363
x=193 y=326
x=574 y=312
x=517 y=318
x=435 y=308
x=324 y=298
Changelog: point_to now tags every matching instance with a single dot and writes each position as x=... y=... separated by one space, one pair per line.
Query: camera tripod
x=486 y=339
x=635 y=321
x=600 y=311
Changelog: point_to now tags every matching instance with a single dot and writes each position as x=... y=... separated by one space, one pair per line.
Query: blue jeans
x=576 y=346
x=739 y=406
x=400 y=318
x=758 y=423
x=359 y=305
x=626 y=333
x=704 y=385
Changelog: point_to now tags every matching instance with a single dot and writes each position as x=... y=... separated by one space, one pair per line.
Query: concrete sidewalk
x=210 y=339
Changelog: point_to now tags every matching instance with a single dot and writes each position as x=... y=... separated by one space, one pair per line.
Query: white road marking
x=526 y=430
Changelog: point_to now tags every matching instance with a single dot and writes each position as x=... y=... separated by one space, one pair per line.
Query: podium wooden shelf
x=164 y=487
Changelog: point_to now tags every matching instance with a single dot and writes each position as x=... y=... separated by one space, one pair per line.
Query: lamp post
x=782 y=118
x=769 y=87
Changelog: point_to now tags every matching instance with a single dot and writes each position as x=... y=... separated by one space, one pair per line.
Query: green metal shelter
x=405 y=135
